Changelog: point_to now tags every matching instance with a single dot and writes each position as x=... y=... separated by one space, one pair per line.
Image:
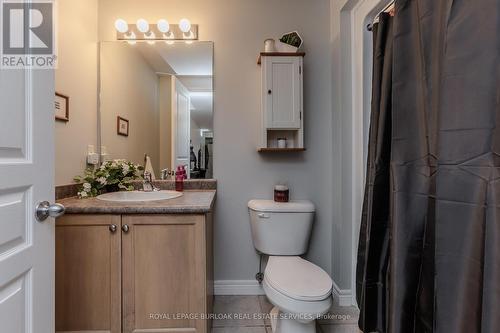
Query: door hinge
x=300 y=115
x=300 y=70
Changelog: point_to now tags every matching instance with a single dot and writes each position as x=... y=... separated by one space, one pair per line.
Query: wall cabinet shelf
x=279 y=54
x=280 y=150
x=133 y=273
x=282 y=101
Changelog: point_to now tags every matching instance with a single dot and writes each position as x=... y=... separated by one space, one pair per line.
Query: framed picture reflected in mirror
x=122 y=126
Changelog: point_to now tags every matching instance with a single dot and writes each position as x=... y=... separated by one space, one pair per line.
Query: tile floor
x=245 y=314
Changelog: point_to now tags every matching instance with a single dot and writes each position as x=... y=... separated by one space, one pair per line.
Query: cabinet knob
x=125 y=228
x=269 y=92
x=113 y=228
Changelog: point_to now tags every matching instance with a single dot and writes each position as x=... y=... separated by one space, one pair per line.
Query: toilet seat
x=298 y=279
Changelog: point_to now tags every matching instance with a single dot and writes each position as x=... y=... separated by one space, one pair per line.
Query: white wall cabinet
x=282 y=101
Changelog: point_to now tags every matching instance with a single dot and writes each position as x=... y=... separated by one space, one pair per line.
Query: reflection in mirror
x=157 y=100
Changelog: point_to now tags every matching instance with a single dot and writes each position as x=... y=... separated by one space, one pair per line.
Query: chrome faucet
x=147 y=183
x=166 y=174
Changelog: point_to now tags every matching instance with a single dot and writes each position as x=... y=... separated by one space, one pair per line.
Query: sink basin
x=138 y=196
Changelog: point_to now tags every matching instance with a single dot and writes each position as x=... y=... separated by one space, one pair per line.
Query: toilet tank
x=281 y=229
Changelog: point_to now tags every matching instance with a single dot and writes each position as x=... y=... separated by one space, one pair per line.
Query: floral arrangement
x=111 y=176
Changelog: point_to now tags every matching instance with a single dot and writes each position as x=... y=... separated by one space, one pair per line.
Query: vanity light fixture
x=163 y=26
x=151 y=40
x=162 y=30
x=121 y=26
x=142 y=25
x=131 y=38
x=185 y=25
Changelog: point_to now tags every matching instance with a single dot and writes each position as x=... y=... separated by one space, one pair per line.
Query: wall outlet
x=93 y=159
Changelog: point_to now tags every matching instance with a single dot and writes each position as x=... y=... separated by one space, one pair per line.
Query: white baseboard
x=237 y=287
x=251 y=287
x=342 y=296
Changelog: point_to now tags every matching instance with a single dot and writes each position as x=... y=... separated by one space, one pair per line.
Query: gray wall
x=341 y=201
x=238 y=29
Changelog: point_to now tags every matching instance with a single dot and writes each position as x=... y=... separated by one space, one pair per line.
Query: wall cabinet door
x=164 y=273
x=282 y=91
x=88 y=282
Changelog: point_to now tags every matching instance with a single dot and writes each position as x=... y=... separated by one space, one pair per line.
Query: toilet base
x=284 y=325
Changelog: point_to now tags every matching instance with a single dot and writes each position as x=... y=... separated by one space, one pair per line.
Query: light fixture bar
x=174 y=33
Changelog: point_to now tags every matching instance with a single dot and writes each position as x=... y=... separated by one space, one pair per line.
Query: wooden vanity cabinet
x=145 y=277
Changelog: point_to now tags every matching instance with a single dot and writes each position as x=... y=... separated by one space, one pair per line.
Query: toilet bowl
x=300 y=291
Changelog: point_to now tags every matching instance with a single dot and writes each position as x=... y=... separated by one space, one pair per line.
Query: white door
x=282 y=87
x=181 y=124
x=26 y=178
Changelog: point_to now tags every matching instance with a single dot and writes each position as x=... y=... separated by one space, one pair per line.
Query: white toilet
x=300 y=291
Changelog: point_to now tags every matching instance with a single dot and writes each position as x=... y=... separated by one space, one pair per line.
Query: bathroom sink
x=137 y=196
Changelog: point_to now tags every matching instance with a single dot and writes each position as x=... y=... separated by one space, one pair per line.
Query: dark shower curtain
x=374 y=250
x=429 y=250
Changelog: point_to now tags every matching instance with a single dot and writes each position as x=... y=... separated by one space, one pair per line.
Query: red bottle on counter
x=179 y=178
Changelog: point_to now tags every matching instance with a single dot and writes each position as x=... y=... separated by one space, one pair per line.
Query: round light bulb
x=163 y=26
x=121 y=26
x=142 y=25
x=185 y=25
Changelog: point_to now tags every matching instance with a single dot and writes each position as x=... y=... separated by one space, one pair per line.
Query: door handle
x=45 y=210
x=125 y=228
x=263 y=216
x=112 y=228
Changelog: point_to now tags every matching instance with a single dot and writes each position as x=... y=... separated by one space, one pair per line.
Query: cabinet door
x=164 y=273
x=88 y=282
x=283 y=91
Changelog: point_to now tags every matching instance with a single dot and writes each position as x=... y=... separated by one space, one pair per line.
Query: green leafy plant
x=110 y=176
x=292 y=39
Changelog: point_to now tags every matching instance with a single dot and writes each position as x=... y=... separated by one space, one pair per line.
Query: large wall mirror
x=157 y=99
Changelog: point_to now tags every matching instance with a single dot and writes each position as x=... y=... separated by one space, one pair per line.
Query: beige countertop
x=191 y=202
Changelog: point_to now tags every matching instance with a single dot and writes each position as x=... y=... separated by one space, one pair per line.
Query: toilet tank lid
x=298 y=206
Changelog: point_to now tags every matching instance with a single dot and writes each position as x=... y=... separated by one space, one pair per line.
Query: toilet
x=300 y=291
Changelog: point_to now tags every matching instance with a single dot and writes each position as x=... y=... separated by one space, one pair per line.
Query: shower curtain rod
x=386 y=9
